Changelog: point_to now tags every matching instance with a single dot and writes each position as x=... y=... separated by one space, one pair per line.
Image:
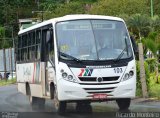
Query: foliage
x=2 y=34
x=139 y=25
x=154 y=88
x=116 y=7
x=7 y=82
x=71 y=8
x=155 y=23
x=152 y=43
x=151 y=64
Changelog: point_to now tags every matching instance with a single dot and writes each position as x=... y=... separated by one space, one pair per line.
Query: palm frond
x=151 y=45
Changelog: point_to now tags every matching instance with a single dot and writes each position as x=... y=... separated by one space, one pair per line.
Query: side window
x=47 y=44
x=33 y=38
x=18 y=56
x=43 y=45
x=29 y=46
x=50 y=44
x=32 y=47
x=38 y=40
x=19 y=42
x=23 y=50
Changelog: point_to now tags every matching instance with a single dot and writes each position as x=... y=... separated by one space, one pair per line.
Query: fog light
x=64 y=75
x=131 y=73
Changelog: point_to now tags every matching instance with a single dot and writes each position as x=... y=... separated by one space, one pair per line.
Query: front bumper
x=69 y=91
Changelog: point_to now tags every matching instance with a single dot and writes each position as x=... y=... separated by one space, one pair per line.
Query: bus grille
x=94 y=79
x=99 y=90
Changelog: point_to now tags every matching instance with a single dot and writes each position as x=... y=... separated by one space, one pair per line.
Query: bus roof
x=70 y=17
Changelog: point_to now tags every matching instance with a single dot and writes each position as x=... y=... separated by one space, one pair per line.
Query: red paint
x=34 y=72
x=82 y=71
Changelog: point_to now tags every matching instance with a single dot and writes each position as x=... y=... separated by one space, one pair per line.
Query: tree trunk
x=142 y=71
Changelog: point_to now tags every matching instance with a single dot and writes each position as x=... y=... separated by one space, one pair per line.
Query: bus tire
x=60 y=106
x=37 y=103
x=123 y=103
x=32 y=100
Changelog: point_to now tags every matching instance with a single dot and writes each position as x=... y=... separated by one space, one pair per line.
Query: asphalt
x=12 y=101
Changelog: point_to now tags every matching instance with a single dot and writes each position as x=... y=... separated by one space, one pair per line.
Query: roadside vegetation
x=7 y=82
x=153 y=84
x=136 y=13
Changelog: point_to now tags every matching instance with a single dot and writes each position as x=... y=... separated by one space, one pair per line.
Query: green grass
x=7 y=82
x=138 y=92
x=154 y=90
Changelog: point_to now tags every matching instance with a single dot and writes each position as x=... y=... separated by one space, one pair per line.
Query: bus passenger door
x=49 y=59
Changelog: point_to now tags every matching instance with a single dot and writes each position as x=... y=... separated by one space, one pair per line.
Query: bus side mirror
x=135 y=48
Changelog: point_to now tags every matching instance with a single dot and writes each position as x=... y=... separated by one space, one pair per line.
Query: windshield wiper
x=69 y=56
x=121 y=54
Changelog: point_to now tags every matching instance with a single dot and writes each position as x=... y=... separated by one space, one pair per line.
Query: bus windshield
x=93 y=39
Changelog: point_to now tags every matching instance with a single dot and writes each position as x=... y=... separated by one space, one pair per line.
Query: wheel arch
x=52 y=88
x=28 y=91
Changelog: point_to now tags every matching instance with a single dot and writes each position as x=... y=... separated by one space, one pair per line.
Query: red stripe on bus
x=33 y=73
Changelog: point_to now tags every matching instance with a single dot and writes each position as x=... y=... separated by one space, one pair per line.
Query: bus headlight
x=68 y=77
x=128 y=75
x=64 y=74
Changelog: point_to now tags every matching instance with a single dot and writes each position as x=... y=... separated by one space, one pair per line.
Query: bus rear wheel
x=37 y=103
x=123 y=103
x=60 y=106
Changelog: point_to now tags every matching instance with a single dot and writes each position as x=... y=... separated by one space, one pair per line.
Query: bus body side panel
x=31 y=73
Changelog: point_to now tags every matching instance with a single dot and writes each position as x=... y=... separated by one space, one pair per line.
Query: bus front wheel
x=60 y=106
x=123 y=103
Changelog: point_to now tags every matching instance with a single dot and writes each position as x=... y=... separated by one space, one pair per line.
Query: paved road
x=13 y=101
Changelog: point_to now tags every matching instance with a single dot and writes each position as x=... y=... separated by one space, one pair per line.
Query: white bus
x=77 y=58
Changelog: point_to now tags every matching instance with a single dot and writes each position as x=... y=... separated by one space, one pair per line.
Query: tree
x=116 y=7
x=2 y=37
x=65 y=9
x=140 y=25
x=152 y=42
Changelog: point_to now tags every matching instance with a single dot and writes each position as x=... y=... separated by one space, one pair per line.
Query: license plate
x=99 y=96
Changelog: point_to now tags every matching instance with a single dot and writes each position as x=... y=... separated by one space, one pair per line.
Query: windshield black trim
x=83 y=64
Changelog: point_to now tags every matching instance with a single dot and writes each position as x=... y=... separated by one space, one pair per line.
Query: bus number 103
x=118 y=70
